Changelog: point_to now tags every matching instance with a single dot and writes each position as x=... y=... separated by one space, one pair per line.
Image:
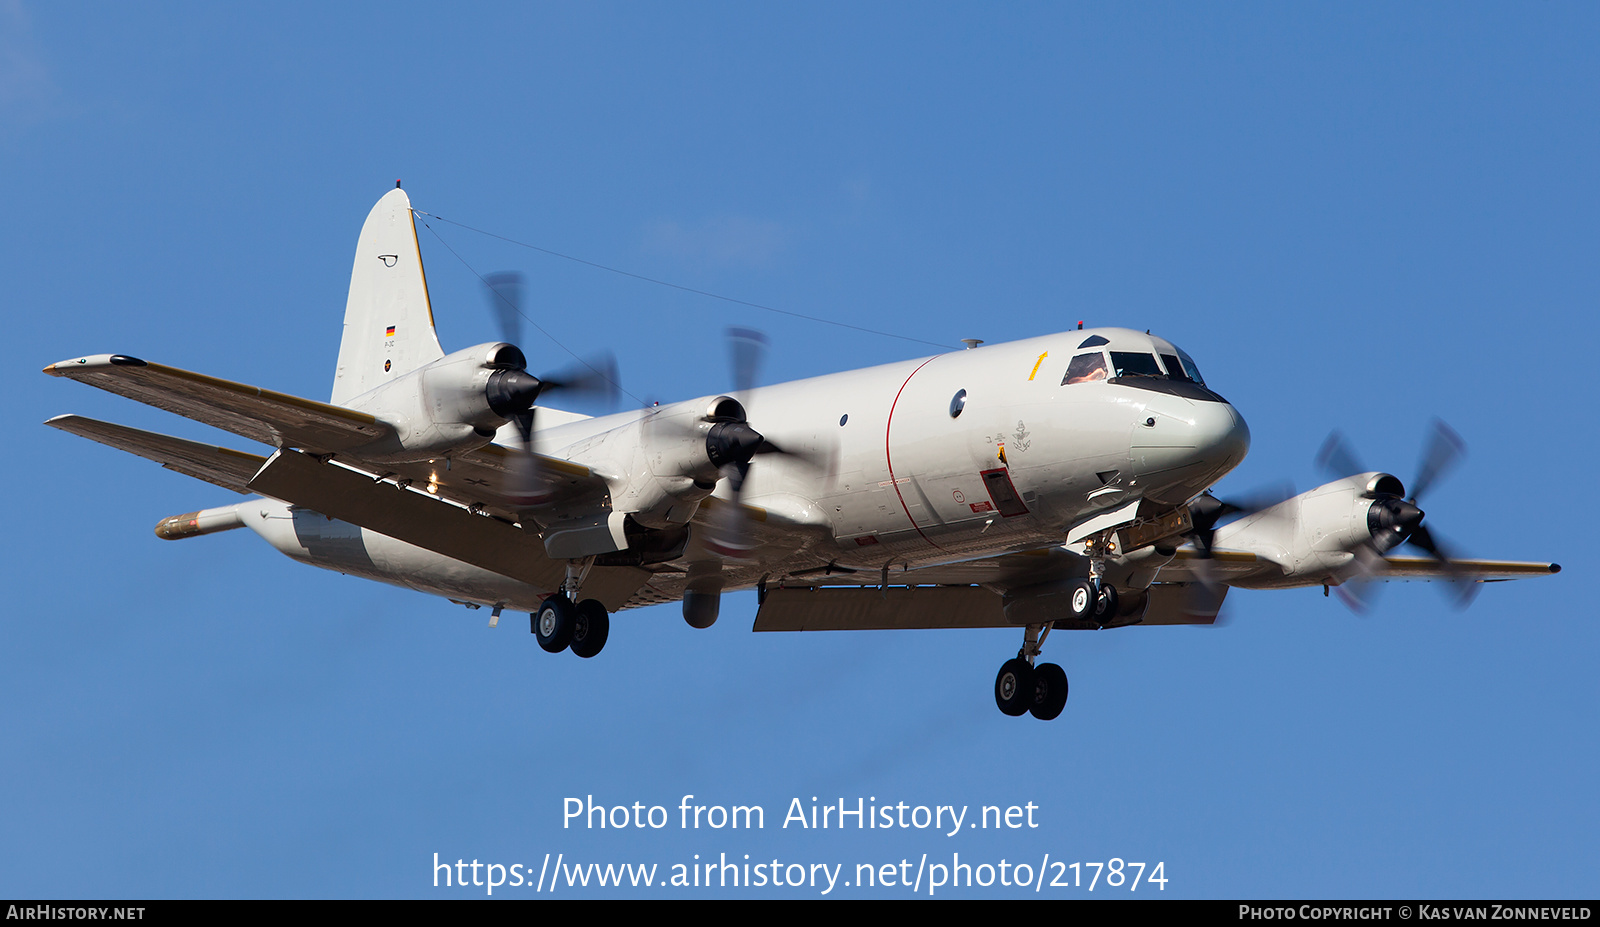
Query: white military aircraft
x=1058 y=482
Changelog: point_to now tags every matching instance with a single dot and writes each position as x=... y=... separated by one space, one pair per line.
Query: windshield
x=1091 y=366
x=1190 y=371
x=1084 y=368
x=1129 y=364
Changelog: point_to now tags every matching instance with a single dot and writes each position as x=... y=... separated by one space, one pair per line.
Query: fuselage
x=976 y=451
x=972 y=453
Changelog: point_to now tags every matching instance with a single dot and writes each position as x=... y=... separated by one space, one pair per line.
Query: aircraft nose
x=1181 y=446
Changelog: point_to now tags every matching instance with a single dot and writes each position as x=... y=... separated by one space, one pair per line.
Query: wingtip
x=60 y=368
x=1555 y=568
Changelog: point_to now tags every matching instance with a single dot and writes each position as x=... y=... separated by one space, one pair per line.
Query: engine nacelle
x=1315 y=536
x=450 y=406
x=665 y=464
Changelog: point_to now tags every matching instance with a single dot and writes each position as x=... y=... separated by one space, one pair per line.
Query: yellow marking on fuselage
x=1036 y=364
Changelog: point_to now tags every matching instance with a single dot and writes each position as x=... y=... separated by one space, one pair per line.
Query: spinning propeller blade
x=1205 y=596
x=515 y=392
x=733 y=446
x=1401 y=520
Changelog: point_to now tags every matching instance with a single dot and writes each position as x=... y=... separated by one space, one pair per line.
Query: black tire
x=1081 y=598
x=1105 y=604
x=1049 y=691
x=590 y=630
x=1014 y=687
x=552 y=623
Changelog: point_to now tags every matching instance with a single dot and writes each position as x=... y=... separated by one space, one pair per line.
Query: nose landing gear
x=1023 y=687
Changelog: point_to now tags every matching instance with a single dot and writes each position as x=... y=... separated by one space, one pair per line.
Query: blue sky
x=1352 y=217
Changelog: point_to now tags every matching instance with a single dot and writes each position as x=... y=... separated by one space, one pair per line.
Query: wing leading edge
x=973 y=594
x=479 y=478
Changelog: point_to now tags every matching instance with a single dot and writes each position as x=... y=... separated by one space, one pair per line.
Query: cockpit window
x=1085 y=368
x=1189 y=367
x=1174 y=369
x=1129 y=364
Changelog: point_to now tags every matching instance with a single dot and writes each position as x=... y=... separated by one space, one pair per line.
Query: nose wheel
x=1025 y=688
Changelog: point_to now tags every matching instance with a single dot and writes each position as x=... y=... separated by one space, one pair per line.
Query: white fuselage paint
x=909 y=485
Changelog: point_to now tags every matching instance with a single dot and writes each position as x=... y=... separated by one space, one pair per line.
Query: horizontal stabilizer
x=276 y=419
x=217 y=465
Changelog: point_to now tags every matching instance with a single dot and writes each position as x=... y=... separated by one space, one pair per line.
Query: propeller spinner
x=1393 y=520
x=513 y=392
x=732 y=446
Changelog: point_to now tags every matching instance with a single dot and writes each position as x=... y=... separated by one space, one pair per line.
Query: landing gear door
x=1003 y=493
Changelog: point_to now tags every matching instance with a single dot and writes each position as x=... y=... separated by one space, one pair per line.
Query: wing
x=358 y=497
x=969 y=594
x=418 y=518
x=900 y=608
x=1484 y=571
x=477 y=479
x=260 y=415
x=216 y=465
x=973 y=594
x=1249 y=571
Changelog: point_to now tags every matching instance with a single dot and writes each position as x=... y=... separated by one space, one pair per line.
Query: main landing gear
x=1023 y=688
x=560 y=625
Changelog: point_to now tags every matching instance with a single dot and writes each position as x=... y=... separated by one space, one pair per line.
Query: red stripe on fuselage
x=887 y=459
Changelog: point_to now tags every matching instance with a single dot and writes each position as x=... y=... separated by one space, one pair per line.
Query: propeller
x=746 y=349
x=505 y=291
x=733 y=446
x=513 y=392
x=1205 y=511
x=1394 y=521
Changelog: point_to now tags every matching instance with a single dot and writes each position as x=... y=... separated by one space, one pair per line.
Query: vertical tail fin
x=388 y=321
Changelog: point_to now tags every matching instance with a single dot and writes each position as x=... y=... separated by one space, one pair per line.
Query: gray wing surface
x=968 y=594
x=261 y=415
x=971 y=594
x=419 y=518
x=475 y=478
x=1247 y=570
x=422 y=519
x=219 y=466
